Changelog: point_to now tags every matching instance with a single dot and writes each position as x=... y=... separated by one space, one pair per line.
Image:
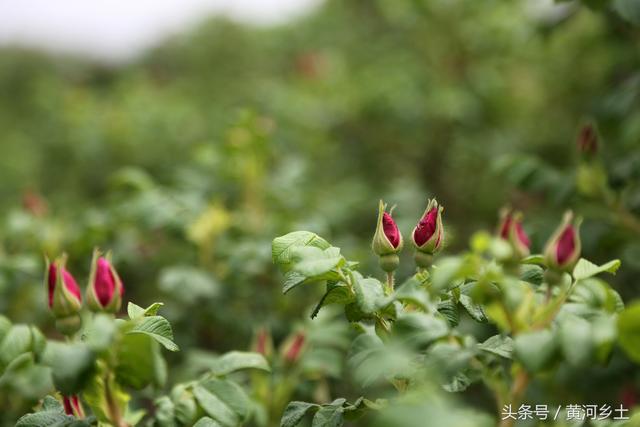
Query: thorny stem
x=390 y=283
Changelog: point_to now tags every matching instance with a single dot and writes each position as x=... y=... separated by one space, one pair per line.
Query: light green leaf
x=575 y=340
x=282 y=246
x=135 y=311
x=329 y=416
x=295 y=411
x=238 y=360
x=337 y=293
x=534 y=259
x=206 y=422
x=44 y=419
x=369 y=293
x=629 y=331
x=158 y=328
x=628 y=9
x=585 y=269
x=137 y=361
x=500 y=345
x=535 y=349
x=71 y=365
x=215 y=407
x=16 y=342
x=232 y=395
x=475 y=310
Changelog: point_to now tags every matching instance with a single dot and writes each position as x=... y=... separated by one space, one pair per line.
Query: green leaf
x=329 y=415
x=50 y=403
x=475 y=310
x=44 y=419
x=585 y=269
x=100 y=333
x=337 y=293
x=5 y=325
x=311 y=265
x=295 y=411
x=500 y=345
x=72 y=365
x=238 y=360
x=165 y=412
x=629 y=331
x=158 y=328
x=369 y=293
x=282 y=246
x=206 y=422
x=534 y=259
x=449 y=310
x=232 y=395
x=628 y=9
x=16 y=342
x=420 y=328
x=215 y=407
x=413 y=291
x=137 y=361
x=532 y=274
x=535 y=349
x=135 y=311
x=575 y=340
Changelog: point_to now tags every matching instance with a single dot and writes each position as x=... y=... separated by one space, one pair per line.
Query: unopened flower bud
x=263 y=343
x=72 y=406
x=65 y=299
x=511 y=230
x=587 y=140
x=292 y=350
x=105 y=289
x=387 y=241
x=563 y=248
x=428 y=234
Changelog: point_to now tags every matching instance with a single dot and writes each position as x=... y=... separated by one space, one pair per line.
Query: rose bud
x=263 y=343
x=105 y=289
x=428 y=234
x=387 y=241
x=587 y=140
x=563 y=248
x=511 y=230
x=65 y=299
x=292 y=349
x=72 y=406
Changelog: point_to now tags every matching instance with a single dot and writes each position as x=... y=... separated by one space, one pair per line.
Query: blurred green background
x=188 y=161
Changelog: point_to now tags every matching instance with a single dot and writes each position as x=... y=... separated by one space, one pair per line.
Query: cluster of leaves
x=413 y=335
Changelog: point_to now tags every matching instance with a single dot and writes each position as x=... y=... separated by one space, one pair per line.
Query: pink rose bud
x=263 y=342
x=563 y=248
x=511 y=230
x=293 y=348
x=428 y=233
x=587 y=140
x=64 y=297
x=72 y=406
x=105 y=289
x=387 y=240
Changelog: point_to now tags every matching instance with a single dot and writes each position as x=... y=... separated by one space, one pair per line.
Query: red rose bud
x=263 y=343
x=587 y=140
x=64 y=296
x=563 y=248
x=293 y=348
x=428 y=234
x=387 y=240
x=511 y=230
x=105 y=289
x=72 y=406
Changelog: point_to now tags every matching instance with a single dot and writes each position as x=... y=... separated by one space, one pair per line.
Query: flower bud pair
x=511 y=230
x=427 y=237
x=563 y=248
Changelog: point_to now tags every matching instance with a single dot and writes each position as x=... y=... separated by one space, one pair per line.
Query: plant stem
x=112 y=406
x=390 y=282
x=519 y=386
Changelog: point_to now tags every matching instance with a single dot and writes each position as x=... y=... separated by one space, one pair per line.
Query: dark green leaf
x=238 y=360
x=158 y=328
x=295 y=411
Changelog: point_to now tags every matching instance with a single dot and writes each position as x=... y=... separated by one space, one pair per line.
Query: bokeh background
x=187 y=149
